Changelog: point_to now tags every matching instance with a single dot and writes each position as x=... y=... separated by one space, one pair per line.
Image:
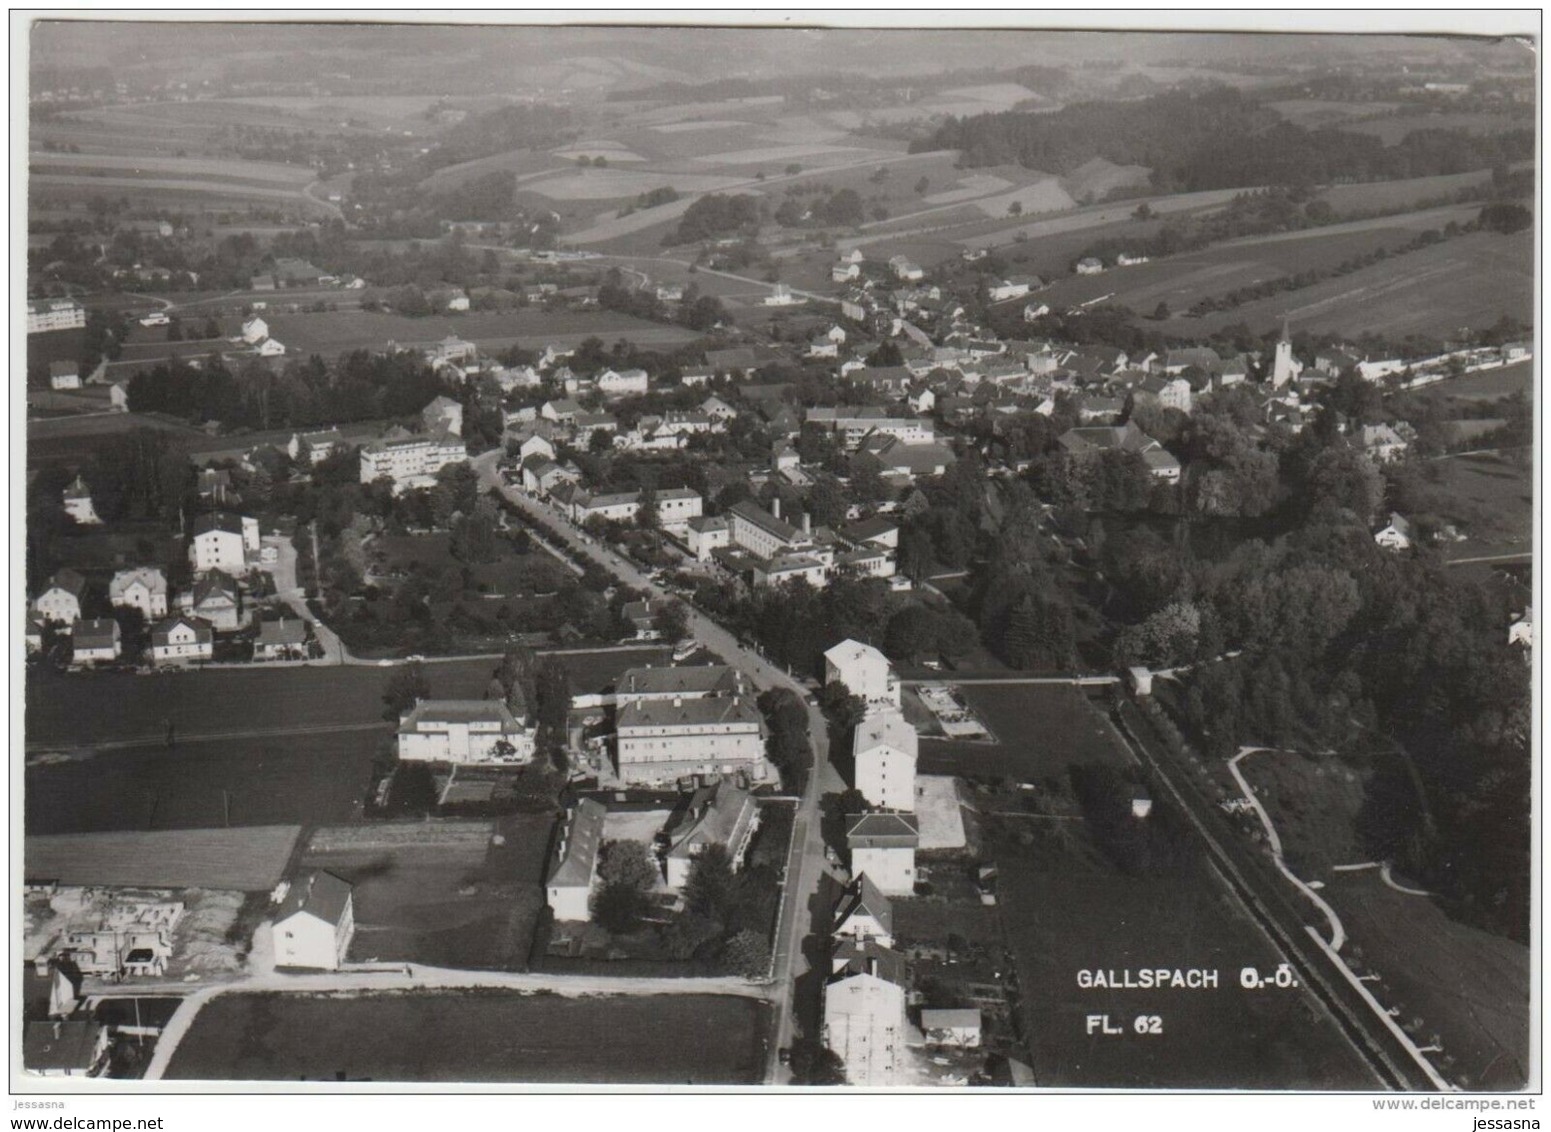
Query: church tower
x=1284 y=366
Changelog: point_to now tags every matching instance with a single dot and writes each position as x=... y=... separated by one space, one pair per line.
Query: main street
x=805 y=865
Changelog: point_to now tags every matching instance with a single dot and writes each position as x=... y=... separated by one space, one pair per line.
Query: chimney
x=775 y=507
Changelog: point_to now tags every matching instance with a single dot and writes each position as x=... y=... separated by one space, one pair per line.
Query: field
x=491 y=1036
x=449 y=894
x=1392 y=130
x=1041 y=729
x=1400 y=194
x=1469 y=281
x=64 y=711
x=1313 y=800
x=246 y=860
x=1491 y=498
x=1066 y=910
x=1469 y=989
x=337 y=332
x=1487 y=385
x=1313 y=113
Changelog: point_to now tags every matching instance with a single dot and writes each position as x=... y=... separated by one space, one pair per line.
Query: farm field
x=1399 y=194
x=1392 y=130
x=1066 y=909
x=1313 y=113
x=61 y=713
x=74 y=439
x=1469 y=281
x=336 y=332
x=301 y=779
x=1040 y=729
x=209 y=167
x=1489 y=497
x=478 y=1036
x=447 y=893
x=1470 y=989
x=1487 y=385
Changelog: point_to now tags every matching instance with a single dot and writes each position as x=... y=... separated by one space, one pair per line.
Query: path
x=1520 y=556
x=414 y=976
x=1076 y=681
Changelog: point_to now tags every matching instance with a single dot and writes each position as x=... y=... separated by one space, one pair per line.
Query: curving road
x=805 y=863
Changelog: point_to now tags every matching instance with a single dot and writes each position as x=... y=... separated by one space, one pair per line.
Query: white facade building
x=864 y=670
x=885 y=748
x=315 y=923
x=143 y=588
x=463 y=731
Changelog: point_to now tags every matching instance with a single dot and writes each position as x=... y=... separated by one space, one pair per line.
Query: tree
x=1015 y=208
x=646 y=515
x=1161 y=312
x=673 y=621
x=405 y=686
x=886 y=354
x=747 y=954
x=552 y=685
x=708 y=890
x=627 y=863
x=814 y=1063
x=618 y=908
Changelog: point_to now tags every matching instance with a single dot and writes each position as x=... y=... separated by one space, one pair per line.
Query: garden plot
x=956 y=718
x=939 y=812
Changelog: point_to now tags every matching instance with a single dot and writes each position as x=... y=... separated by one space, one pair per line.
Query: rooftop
x=702 y=712
x=583 y=838
x=320 y=894
x=883 y=831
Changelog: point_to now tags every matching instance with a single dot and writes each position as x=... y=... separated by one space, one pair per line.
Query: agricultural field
x=217 y=169
x=75 y=439
x=1376 y=195
x=336 y=332
x=1067 y=909
x=478 y=1036
x=1391 y=130
x=1486 y=385
x=1314 y=113
x=1490 y=497
x=1470 y=281
x=461 y=894
x=1040 y=730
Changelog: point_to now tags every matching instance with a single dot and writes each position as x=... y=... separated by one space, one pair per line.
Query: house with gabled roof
x=95 y=641
x=315 y=922
x=883 y=845
x=1396 y=534
x=864 y=670
x=864 y=914
x=140 y=587
x=65 y=1047
x=180 y=640
x=570 y=884
x=77 y=499
x=60 y=601
x=463 y=731
x=663 y=740
x=216 y=599
x=865 y=1024
x=885 y=748
x=719 y=814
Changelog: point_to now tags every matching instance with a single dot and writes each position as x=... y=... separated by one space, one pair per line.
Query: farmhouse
x=569 y=889
x=885 y=748
x=884 y=847
x=78 y=503
x=662 y=740
x=180 y=640
x=143 y=588
x=60 y=601
x=864 y=1023
x=864 y=914
x=1090 y=266
x=255 y=330
x=95 y=641
x=1396 y=534
x=1384 y=442
x=864 y=670
x=463 y=731
x=617 y=383
x=65 y=1048
x=315 y=922
x=719 y=814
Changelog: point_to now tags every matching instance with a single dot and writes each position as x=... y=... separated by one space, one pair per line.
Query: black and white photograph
x=776 y=554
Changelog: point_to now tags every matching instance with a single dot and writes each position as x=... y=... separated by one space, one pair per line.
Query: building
x=285 y=639
x=884 y=847
x=622 y=383
x=95 y=641
x=670 y=682
x=311 y=447
x=64 y=1048
x=60 y=601
x=411 y=462
x=706 y=534
x=1090 y=266
x=44 y=315
x=865 y=671
x=662 y=740
x=443 y=416
x=676 y=507
x=864 y=1023
x=1085 y=442
x=719 y=814
x=32 y=634
x=255 y=330
x=855 y=424
x=956 y=1029
x=463 y=731
x=216 y=599
x=885 y=749
x=763 y=532
x=569 y=889
x=133 y=937
x=864 y=914
x=180 y=640
x=1284 y=367
x=315 y=922
x=1384 y=442
x=221 y=541
x=78 y=503
x=143 y=588
x=64 y=375
x=1396 y=535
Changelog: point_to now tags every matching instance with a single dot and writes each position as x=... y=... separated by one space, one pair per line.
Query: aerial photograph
x=733 y=556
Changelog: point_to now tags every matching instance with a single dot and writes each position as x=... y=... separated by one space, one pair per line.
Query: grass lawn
x=1490 y=497
x=1065 y=910
x=446 y=893
x=1314 y=801
x=1469 y=989
x=478 y=1036
x=1040 y=729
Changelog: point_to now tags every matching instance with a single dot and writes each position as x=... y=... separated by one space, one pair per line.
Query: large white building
x=676 y=506
x=60 y=601
x=221 y=541
x=853 y=425
x=765 y=533
x=143 y=588
x=570 y=886
x=662 y=740
x=463 y=731
x=54 y=314
x=864 y=670
x=884 y=847
x=865 y=1024
x=885 y=749
x=411 y=461
x=315 y=923
x=705 y=534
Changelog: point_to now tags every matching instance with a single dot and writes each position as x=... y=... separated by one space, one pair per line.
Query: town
x=832 y=620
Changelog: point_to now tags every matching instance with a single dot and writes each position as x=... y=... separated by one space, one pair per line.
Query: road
x=805 y=863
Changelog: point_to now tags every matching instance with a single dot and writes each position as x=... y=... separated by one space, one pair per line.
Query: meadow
x=1040 y=730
